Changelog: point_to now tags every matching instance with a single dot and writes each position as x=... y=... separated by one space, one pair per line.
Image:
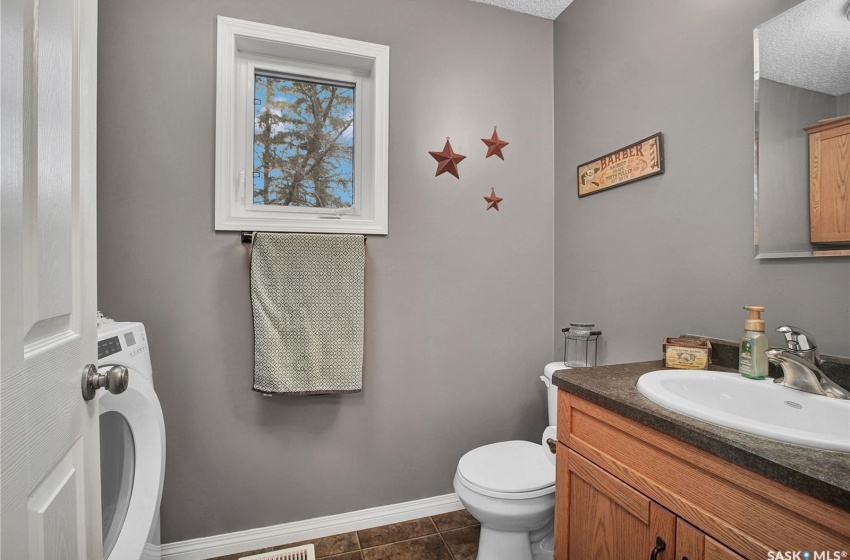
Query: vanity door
x=598 y=516
x=693 y=544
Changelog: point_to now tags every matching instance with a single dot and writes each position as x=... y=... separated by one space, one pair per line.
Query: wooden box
x=829 y=180
x=686 y=353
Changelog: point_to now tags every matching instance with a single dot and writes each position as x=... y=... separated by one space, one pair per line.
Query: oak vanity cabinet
x=625 y=491
x=606 y=518
x=693 y=544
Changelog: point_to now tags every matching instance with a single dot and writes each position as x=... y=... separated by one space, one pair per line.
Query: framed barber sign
x=636 y=161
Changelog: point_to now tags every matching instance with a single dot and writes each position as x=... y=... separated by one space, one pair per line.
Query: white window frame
x=245 y=48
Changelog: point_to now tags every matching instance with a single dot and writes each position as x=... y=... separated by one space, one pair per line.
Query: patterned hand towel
x=307 y=297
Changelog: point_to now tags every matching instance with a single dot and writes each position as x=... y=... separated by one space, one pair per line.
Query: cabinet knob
x=660 y=546
x=553 y=445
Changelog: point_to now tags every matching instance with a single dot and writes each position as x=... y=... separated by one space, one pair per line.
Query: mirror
x=802 y=77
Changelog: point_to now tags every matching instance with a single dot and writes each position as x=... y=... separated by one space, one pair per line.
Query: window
x=303 y=143
x=301 y=131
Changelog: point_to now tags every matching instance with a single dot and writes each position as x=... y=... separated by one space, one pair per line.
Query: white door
x=49 y=455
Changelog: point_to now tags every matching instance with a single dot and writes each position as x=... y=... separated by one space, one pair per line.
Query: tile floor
x=449 y=536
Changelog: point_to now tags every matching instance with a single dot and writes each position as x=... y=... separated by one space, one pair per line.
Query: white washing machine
x=132 y=448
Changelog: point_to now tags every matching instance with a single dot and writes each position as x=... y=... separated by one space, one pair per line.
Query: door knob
x=115 y=380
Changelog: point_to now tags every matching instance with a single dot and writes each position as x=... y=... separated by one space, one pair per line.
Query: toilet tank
x=552 y=399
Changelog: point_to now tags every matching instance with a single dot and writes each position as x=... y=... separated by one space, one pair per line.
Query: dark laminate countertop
x=824 y=475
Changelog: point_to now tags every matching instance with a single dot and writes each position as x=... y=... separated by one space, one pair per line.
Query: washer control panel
x=107 y=347
x=124 y=344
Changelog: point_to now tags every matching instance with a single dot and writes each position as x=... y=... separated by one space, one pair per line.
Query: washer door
x=117 y=467
x=132 y=460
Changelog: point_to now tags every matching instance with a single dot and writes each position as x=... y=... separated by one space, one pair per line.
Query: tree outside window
x=303 y=143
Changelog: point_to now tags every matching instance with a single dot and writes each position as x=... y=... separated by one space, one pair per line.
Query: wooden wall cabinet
x=829 y=180
x=620 y=487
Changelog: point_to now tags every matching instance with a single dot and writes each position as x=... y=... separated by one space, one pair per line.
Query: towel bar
x=248 y=237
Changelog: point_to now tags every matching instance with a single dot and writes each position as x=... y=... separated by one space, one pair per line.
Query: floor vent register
x=306 y=552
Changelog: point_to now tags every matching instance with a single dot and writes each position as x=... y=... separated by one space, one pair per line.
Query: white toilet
x=510 y=488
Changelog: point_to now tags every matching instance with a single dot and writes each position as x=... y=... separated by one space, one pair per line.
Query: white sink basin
x=757 y=407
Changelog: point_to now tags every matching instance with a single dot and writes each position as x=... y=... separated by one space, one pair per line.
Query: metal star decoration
x=495 y=145
x=493 y=200
x=447 y=160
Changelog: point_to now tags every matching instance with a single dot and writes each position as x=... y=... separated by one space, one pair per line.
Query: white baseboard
x=252 y=539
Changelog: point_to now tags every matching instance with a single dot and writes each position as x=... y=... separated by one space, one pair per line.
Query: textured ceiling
x=808 y=46
x=549 y=9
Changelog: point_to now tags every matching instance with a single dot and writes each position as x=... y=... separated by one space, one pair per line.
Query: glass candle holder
x=581 y=345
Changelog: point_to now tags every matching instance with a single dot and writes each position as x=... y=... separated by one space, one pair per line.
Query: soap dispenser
x=752 y=361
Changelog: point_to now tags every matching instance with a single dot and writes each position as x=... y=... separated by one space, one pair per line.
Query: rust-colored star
x=494 y=144
x=447 y=160
x=493 y=200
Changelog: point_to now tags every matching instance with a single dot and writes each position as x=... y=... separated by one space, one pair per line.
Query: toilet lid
x=508 y=466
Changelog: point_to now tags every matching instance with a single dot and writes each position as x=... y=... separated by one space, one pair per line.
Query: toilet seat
x=511 y=470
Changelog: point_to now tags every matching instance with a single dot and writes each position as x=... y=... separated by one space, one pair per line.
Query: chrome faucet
x=803 y=375
x=801 y=343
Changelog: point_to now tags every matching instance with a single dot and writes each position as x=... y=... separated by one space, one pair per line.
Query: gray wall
x=842 y=105
x=673 y=253
x=784 y=112
x=459 y=300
